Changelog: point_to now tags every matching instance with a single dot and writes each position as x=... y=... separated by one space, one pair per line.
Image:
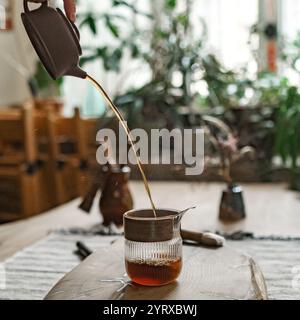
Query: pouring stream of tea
x=129 y=135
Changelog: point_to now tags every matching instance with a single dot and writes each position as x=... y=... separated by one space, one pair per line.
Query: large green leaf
x=114 y=29
x=90 y=21
x=170 y=4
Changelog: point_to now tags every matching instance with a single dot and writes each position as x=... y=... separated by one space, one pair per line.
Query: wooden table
x=207 y=273
x=271 y=210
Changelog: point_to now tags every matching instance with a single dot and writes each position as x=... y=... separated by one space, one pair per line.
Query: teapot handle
x=26 y=8
x=75 y=29
x=72 y=26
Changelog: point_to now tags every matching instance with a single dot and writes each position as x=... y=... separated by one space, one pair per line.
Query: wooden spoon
x=203 y=238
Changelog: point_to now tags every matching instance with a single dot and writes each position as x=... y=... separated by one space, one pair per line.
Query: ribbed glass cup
x=149 y=262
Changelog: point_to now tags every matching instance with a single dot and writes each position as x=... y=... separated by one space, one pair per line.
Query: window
x=289 y=18
x=228 y=26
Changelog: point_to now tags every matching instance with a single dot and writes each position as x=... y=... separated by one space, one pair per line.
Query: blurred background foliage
x=262 y=109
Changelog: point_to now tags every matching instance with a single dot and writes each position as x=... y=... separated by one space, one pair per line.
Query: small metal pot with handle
x=232 y=207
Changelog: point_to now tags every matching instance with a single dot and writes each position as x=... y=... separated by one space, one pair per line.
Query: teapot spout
x=182 y=212
x=76 y=72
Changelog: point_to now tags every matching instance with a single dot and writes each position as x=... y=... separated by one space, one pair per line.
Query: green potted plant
x=287 y=134
x=166 y=48
x=247 y=104
x=172 y=58
x=222 y=138
x=113 y=23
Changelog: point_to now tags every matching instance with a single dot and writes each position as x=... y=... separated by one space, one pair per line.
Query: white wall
x=15 y=49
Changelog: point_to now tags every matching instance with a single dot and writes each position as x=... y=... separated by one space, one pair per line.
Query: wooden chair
x=60 y=128
x=18 y=169
x=48 y=104
x=71 y=143
x=45 y=161
x=87 y=147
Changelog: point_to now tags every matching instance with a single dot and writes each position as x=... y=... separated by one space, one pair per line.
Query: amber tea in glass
x=153 y=246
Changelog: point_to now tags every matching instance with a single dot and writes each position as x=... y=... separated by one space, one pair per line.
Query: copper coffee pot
x=115 y=198
x=55 y=39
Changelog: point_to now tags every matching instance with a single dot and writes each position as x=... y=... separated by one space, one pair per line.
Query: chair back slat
x=17 y=128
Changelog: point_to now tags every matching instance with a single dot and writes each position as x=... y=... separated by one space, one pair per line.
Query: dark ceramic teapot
x=55 y=39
